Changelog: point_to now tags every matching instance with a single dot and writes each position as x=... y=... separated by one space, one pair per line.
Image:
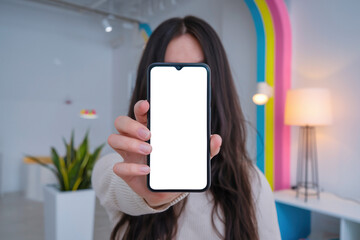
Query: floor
x=23 y=219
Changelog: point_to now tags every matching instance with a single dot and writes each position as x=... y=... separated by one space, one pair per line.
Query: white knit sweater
x=195 y=221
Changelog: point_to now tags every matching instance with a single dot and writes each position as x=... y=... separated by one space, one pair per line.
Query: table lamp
x=307 y=108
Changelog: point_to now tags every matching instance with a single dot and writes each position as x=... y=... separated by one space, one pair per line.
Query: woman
x=239 y=203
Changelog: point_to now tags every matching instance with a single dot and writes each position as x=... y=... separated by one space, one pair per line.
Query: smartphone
x=179 y=122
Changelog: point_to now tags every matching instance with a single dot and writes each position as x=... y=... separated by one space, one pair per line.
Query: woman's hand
x=130 y=144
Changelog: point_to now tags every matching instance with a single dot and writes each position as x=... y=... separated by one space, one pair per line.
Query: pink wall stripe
x=282 y=83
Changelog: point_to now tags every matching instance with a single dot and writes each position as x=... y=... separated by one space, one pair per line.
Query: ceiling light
x=106 y=24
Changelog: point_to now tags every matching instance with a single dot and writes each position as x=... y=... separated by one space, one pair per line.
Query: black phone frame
x=179 y=66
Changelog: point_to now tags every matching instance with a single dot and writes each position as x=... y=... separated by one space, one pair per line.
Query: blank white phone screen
x=178 y=125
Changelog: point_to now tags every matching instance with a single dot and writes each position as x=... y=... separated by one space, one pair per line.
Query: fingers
x=125 y=170
x=132 y=128
x=128 y=144
x=140 y=109
x=215 y=144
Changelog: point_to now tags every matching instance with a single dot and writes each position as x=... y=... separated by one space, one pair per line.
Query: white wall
x=125 y=60
x=48 y=55
x=326 y=53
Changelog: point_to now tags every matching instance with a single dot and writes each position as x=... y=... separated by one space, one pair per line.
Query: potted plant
x=69 y=207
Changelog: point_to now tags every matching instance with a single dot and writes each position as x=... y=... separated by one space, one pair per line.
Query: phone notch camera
x=178 y=67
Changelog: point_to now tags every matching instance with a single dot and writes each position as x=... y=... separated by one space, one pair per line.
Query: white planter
x=68 y=215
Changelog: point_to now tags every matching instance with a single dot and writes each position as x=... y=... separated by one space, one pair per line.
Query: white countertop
x=328 y=204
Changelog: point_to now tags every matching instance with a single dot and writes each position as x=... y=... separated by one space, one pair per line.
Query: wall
x=49 y=55
x=125 y=59
x=326 y=54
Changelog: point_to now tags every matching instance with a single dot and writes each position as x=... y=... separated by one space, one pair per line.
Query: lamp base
x=307 y=179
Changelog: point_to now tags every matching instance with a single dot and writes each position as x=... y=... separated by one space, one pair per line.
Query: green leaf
x=72 y=150
x=83 y=165
x=66 y=149
x=74 y=171
x=77 y=184
x=85 y=184
x=64 y=174
x=83 y=148
x=68 y=153
x=56 y=161
x=55 y=158
x=76 y=163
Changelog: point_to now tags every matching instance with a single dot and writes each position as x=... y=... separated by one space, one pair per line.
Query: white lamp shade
x=308 y=107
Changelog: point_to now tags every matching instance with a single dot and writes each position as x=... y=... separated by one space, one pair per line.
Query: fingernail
x=145 y=169
x=116 y=169
x=145 y=148
x=143 y=133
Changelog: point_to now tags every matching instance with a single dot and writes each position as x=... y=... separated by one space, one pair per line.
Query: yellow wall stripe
x=269 y=78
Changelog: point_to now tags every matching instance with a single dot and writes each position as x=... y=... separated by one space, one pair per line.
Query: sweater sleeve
x=116 y=196
x=268 y=226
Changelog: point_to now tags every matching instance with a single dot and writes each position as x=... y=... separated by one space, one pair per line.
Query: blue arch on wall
x=260 y=77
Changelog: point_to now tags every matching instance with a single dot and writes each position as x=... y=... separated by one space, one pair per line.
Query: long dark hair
x=231 y=169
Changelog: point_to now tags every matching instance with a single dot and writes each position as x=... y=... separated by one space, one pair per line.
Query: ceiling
x=129 y=10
